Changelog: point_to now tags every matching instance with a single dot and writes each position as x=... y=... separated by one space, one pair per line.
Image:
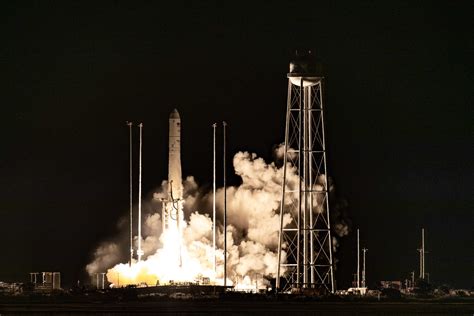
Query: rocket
x=172 y=206
x=175 y=187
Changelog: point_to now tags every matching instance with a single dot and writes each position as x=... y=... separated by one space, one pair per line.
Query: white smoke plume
x=106 y=255
x=253 y=225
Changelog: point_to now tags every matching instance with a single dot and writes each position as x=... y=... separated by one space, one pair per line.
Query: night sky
x=399 y=92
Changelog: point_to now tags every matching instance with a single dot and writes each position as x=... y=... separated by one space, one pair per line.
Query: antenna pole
x=129 y=124
x=214 y=194
x=423 y=253
x=364 y=250
x=225 y=208
x=139 y=250
x=358 y=260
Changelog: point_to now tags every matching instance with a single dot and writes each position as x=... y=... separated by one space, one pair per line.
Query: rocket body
x=175 y=186
x=172 y=209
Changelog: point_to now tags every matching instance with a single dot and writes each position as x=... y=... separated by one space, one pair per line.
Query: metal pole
x=283 y=185
x=331 y=268
x=214 y=195
x=312 y=225
x=139 y=250
x=423 y=251
x=358 y=260
x=225 y=208
x=421 y=268
x=305 y=188
x=129 y=124
x=298 y=237
x=364 y=250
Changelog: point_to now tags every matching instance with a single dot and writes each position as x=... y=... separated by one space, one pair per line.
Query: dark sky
x=399 y=86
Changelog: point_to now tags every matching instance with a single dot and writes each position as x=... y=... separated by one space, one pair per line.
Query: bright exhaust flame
x=176 y=261
x=168 y=265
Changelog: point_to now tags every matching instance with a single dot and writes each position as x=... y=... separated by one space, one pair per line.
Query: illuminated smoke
x=252 y=233
x=106 y=255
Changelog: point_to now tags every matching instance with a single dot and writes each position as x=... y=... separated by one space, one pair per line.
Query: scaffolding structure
x=305 y=244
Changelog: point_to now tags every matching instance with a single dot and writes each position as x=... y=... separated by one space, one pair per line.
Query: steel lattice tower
x=305 y=244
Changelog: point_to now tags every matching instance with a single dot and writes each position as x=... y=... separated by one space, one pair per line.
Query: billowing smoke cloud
x=253 y=225
x=106 y=255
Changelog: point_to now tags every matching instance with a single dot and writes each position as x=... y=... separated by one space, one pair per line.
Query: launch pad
x=171 y=290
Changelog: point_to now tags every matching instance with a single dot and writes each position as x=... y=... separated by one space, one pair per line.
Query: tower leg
x=306 y=240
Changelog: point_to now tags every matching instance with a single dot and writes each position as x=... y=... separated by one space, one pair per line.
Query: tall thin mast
x=364 y=250
x=423 y=253
x=214 y=194
x=139 y=250
x=225 y=209
x=358 y=260
x=129 y=124
x=421 y=269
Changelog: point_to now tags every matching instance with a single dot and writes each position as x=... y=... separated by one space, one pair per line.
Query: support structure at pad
x=305 y=244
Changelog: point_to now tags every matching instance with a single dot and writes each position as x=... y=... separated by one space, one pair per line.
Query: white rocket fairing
x=175 y=187
x=172 y=208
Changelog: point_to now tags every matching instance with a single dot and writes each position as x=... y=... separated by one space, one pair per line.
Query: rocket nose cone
x=174 y=114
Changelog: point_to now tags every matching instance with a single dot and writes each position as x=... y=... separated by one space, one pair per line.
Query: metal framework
x=305 y=244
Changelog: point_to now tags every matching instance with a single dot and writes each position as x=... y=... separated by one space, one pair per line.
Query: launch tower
x=305 y=244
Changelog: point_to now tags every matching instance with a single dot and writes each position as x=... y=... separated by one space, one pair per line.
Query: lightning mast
x=225 y=207
x=214 y=195
x=364 y=250
x=306 y=240
x=358 y=259
x=422 y=255
x=139 y=250
x=129 y=124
